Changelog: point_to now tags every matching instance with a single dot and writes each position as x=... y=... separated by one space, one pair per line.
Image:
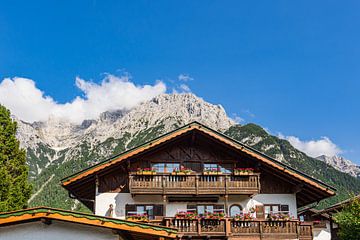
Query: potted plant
x=243 y=171
x=279 y=217
x=182 y=171
x=214 y=216
x=186 y=215
x=143 y=217
x=212 y=171
x=146 y=171
x=243 y=217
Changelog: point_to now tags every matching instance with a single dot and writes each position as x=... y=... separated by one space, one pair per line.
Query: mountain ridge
x=57 y=148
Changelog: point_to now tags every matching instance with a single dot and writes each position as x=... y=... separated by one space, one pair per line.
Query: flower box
x=243 y=171
x=243 y=217
x=186 y=215
x=279 y=217
x=145 y=171
x=183 y=171
x=214 y=216
x=138 y=218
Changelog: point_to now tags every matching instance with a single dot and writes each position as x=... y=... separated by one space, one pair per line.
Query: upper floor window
x=165 y=167
x=203 y=209
x=225 y=168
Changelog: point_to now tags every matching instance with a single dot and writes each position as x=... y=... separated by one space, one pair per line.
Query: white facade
x=119 y=200
x=55 y=231
x=322 y=233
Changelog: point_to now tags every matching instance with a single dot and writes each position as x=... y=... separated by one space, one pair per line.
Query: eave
x=312 y=185
x=41 y=213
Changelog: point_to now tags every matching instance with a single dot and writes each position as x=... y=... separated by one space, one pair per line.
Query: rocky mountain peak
x=341 y=164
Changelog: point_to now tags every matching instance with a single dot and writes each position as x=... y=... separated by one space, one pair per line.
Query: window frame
x=165 y=168
x=152 y=216
x=235 y=205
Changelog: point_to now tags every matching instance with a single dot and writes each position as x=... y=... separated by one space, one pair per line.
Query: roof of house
x=339 y=206
x=195 y=126
x=39 y=213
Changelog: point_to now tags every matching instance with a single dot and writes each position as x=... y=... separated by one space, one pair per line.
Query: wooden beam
x=46 y=221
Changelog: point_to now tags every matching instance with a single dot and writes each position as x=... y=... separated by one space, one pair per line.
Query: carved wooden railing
x=229 y=227
x=194 y=184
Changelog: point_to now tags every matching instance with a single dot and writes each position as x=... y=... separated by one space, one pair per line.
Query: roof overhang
x=310 y=183
x=45 y=213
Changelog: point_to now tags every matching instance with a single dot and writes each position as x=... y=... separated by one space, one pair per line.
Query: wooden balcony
x=194 y=184
x=246 y=229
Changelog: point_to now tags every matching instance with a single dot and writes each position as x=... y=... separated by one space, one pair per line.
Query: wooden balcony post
x=261 y=229
x=197 y=184
x=227 y=226
x=227 y=184
x=199 y=226
x=226 y=205
x=258 y=182
x=298 y=230
x=163 y=184
x=131 y=182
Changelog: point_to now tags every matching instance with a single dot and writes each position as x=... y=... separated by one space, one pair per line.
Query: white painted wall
x=119 y=200
x=55 y=231
x=322 y=233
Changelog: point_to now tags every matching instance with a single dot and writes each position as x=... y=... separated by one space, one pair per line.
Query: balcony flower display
x=143 y=217
x=186 y=215
x=182 y=171
x=146 y=171
x=212 y=171
x=279 y=217
x=214 y=216
x=243 y=217
x=243 y=171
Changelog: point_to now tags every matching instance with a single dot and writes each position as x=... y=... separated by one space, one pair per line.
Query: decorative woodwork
x=231 y=228
x=194 y=184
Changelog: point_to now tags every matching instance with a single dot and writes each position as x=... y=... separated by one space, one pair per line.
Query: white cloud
x=237 y=118
x=185 y=88
x=185 y=77
x=30 y=104
x=314 y=148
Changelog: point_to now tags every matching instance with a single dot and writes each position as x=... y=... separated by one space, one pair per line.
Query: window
x=202 y=209
x=235 y=210
x=226 y=168
x=150 y=210
x=165 y=167
x=275 y=208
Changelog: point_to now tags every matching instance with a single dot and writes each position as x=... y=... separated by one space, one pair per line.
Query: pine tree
x=15 y=189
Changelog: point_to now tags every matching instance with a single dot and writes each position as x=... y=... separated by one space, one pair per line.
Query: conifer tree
x=15 y=189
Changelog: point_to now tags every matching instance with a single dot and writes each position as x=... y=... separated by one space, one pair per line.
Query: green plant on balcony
x=182 y=171
x=243 y=217
x=243 y=171
x=146 y=171
x=143 y=217
x=212 y=171
x=214 y=216
x=186 y=215
x=279 y=217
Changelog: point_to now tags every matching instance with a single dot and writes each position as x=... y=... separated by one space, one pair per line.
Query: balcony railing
x=249 y=229
x=194 y=184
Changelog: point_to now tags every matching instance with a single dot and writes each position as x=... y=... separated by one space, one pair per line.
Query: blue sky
x=290 y=66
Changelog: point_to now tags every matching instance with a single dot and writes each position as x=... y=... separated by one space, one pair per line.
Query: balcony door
x=234 y=210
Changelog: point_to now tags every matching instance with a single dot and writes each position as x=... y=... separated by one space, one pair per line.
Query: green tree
x=15 y=189
x=349 y=221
